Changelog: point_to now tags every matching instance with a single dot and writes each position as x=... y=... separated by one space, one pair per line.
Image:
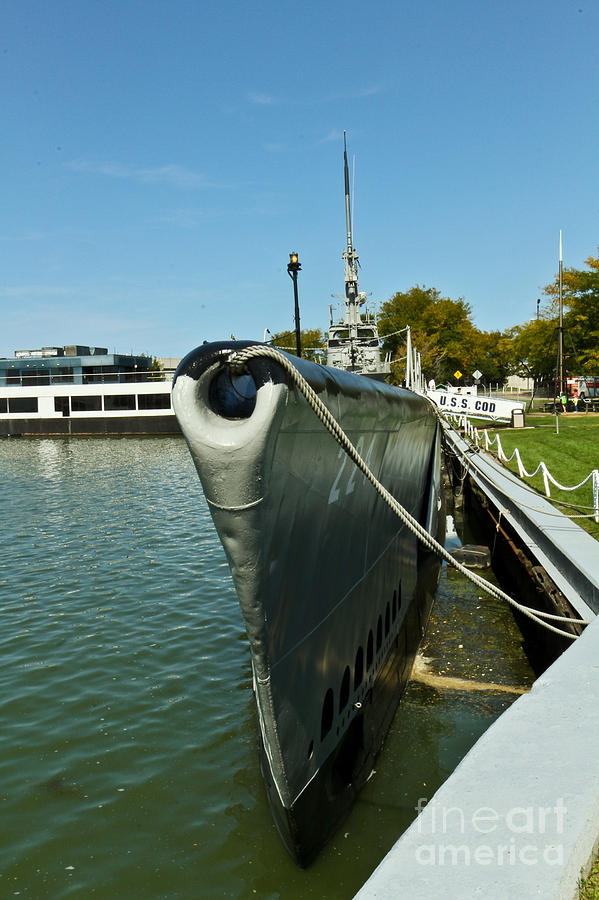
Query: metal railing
x=477 y=438
x=37 y=379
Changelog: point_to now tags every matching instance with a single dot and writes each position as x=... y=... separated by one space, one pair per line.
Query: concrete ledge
x=519 y=817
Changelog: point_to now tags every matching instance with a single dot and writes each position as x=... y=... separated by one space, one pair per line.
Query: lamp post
x=538 y=304
x=293 y=267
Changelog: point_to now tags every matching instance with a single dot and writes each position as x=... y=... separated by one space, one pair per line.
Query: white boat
x=54 y=392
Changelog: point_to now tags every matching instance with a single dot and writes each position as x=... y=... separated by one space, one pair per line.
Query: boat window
x=153 y=401
x=369 y=650
x=119 y=401
x=62 y=375
x=102 y=375
x=86 y=404
x=35 y=376
x=61 y=405
x=359 y=668
x=3 y=405
x=379 y=634
x=344 y=692
x=327 y=714
x=22 y=404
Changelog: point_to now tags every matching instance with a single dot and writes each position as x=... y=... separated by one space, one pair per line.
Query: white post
x=596 y=493
x=545 y=479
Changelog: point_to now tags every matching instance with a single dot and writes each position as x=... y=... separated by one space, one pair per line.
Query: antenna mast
x=349 y=255
x=562 y=385
x=353 y=342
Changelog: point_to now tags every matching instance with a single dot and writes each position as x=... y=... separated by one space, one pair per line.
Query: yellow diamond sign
x=457 y=374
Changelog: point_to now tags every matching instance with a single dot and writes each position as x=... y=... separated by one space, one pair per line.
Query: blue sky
x=161 y=159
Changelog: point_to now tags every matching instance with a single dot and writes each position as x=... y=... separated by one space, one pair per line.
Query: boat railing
x=40 y=379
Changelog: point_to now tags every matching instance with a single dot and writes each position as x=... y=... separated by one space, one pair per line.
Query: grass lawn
x=570 y=456
x=589 y=887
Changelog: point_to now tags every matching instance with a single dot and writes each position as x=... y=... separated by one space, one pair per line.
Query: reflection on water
x=49 y=459
x=128 y=765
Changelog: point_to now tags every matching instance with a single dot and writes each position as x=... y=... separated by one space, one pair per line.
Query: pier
x=519 y=817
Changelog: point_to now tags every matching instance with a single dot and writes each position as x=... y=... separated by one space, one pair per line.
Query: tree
x=313 y=343
x=492 y=354
x=444 y=334
x=581 y=316
x=155 y=372
x=534 y=350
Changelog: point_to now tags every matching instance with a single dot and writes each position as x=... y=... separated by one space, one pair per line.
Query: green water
x=128 y=759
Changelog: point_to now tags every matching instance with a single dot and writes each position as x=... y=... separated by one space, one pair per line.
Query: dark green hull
x=335 y=592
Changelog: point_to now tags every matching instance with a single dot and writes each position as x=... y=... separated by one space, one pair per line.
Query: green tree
x=313 y=343
x=581 y=316
x=492 y=354
x=534 y=350
x=445 y=336
x=155 y=372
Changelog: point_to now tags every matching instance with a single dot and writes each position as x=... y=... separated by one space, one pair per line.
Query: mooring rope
x=238 y=361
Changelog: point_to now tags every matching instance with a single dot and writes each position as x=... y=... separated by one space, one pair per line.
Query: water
x=128 y=758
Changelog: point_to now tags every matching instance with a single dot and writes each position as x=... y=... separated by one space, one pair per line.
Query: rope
x=238 y=360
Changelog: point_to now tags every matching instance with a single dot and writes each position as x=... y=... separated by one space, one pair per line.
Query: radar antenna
x=353 y=342
x=349 y=254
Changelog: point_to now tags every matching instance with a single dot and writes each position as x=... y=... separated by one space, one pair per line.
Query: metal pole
x=293 y=267
x=559 y=375
x=562 y=385
x=298 y=337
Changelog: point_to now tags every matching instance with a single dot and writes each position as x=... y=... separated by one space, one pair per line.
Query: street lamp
x=293 y=267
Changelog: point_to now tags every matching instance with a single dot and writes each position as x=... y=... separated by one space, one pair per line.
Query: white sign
x=476 y=406
x=477 y=374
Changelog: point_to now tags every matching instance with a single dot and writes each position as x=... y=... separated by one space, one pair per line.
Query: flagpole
x=561 y=319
